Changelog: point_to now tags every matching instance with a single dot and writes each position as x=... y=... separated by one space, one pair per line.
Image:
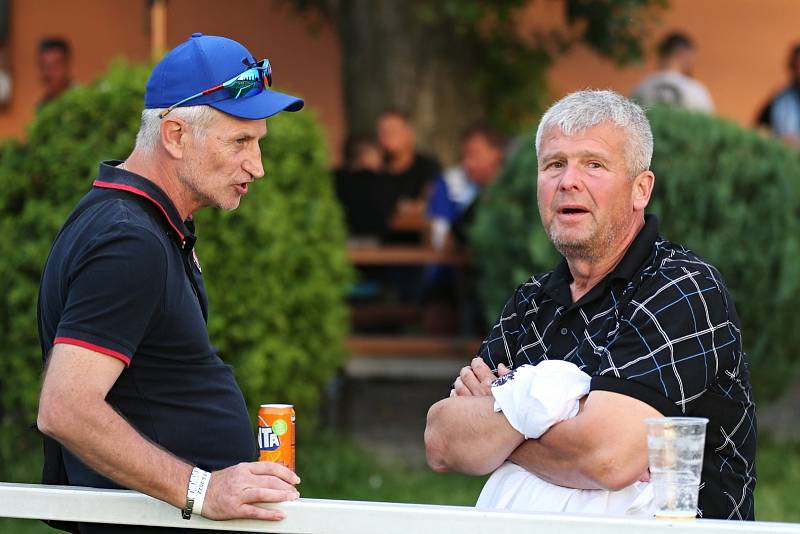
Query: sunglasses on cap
x=250 y=82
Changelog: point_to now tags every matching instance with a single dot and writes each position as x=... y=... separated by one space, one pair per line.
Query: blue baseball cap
x=202 y=62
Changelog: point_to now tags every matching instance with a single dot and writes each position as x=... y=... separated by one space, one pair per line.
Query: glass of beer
x=675 y=450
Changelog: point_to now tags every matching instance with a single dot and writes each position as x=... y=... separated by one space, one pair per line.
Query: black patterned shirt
x=661 y=328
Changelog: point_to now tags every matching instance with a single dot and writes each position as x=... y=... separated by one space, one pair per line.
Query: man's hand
x=476 y=379
x=464 y=433
x=233 y=492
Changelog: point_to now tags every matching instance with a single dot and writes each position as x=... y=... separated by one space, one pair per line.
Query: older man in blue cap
x=134 y=395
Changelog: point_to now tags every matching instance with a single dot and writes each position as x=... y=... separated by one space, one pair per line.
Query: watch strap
x=196 y=492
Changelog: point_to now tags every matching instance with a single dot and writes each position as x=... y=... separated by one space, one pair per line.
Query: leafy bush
x=727 y=193
x=276 y=270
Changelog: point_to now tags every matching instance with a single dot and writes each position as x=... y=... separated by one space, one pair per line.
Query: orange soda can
x=276 y=434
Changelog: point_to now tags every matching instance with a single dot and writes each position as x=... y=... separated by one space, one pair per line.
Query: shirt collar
x=639 y=251
x=557 y=285
x=110 y=176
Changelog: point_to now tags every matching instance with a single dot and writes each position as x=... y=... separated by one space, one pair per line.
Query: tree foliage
x=480 y=61
x=614 y=28
x=275 y=269
x=727 y=193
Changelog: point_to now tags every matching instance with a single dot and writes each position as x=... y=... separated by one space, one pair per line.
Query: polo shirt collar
x=639 y=251
x=111 y=176
x=557 y=285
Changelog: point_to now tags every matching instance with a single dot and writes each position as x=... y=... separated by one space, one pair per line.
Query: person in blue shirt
x=457 y=188
x=450 y=210
x=784 y=110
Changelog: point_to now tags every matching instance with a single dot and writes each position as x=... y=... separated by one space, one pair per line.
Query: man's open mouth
x=572 y=211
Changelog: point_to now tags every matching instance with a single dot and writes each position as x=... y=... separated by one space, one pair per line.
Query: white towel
x=534 y=398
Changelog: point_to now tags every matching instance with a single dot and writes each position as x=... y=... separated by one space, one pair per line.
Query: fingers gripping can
x=276 y=434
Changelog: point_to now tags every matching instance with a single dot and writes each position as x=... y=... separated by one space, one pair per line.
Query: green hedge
x=275 y=269
x=728 y=193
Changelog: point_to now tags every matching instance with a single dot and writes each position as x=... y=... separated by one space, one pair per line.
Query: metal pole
x=158 y=28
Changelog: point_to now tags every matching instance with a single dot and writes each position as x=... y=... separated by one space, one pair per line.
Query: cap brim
x=265 y=104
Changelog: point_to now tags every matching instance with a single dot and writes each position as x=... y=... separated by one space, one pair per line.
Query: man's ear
x=173 y=136
x=642 y=189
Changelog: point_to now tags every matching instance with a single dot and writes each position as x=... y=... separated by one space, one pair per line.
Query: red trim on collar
x=92 y=346
x=135 y=191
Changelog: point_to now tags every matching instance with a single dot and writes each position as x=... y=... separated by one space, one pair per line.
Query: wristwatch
x=196 y=492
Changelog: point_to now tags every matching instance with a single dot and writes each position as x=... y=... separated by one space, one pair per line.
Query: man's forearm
x=96 y=434
x=554 y=458
x=465 y=434
x=604 y=446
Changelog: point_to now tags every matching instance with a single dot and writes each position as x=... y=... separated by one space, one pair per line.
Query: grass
x=778 y=482
x=333 y=468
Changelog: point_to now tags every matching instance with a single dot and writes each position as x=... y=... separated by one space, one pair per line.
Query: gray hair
x=198 y=117
x=582 y=110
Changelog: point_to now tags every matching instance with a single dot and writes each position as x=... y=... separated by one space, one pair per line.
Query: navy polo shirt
x=122 y=279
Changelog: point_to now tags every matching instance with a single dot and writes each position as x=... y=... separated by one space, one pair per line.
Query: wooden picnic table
x=376 y=254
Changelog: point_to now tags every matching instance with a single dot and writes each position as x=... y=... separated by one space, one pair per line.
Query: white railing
x=317 y=516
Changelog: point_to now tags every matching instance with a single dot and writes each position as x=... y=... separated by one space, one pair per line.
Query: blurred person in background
x=359 y=188
x=54 y=61
x=781 y=115
x=362 y=153
x=673 y=84
x=457 y=189
x=408 y=174
x=6 y=83
x=451 y=296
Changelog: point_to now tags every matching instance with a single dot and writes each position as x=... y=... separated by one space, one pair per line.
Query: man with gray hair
x=650 y=325
x=134 y=394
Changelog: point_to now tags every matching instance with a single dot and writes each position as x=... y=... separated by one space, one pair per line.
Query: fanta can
x=276 y=434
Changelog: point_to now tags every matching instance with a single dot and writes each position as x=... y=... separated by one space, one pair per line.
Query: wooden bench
x=388 y=255
x=408 y=357
x=376 y=346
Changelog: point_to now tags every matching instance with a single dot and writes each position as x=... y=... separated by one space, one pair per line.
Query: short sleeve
x=114 y=287
x=439 y=205
x=500 y=346
x=674 y=339
x=704 y=102
x=785 y=115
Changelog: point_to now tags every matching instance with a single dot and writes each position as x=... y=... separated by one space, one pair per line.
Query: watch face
x=186 y=512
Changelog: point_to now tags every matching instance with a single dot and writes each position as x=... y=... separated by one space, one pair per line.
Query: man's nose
x=572 y=178
x=253 y=164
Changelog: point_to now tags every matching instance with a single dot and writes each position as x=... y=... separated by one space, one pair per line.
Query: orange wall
x=742 y=51
x=97 y=31
x=742 y=48
x=304 y=61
